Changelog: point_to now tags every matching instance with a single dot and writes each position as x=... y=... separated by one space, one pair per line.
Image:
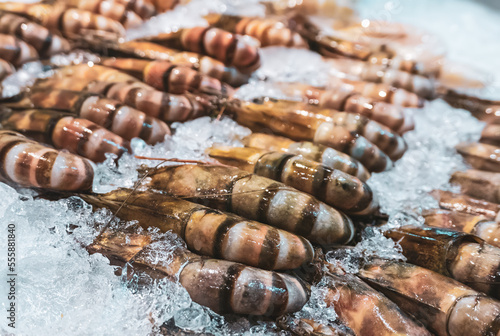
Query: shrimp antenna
x=134 y=189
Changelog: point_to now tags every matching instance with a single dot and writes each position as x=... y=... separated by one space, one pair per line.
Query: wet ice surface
x=64 y=291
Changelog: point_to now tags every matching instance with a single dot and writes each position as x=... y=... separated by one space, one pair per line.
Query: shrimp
x=481 y=156
x=339 y=10
x=122 y=120
x=255 y=198
x=168 y=77
x=268 y=31
x=166 y=5
x=71 y=22
x=362 y=308
x=223 y=286
x=289 y=120
x=478 y=225
x=43 y=41
x=379 y=92
x=414 y=52
x=345 y=98
x=144 y=8
x=164 y=106
x=384 y=138
x=460 y=256
x=380 y=60
x=29 y=164
x=210 y=232
x=443 y=305
x=63 y=131
x=242 y=52
x=331 y=186
x=16 y=51
x=309 y=327
x=478 y=184
x=327 y=156
x=113 y=9
x=204 y=64
x=422 y=86
x=466 y=204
